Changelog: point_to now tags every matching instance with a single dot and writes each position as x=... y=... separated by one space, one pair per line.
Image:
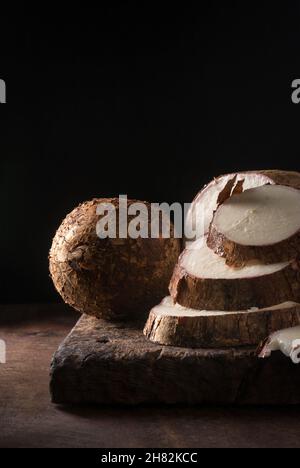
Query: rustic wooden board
x=106 y=363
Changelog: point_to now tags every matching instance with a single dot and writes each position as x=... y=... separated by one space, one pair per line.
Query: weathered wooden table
x=103 y=362
x=29 y=419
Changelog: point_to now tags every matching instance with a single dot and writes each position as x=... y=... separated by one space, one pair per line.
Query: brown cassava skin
x=219 y=331
x=278 y=176
x=235 y=294
x=109 y=278
x=238 y=255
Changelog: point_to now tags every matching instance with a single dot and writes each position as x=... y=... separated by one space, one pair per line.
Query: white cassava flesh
x=260 y=216
x=203 y=280
x=260 y=224
x=206 y=201
x=174 y=325
x=287 y=341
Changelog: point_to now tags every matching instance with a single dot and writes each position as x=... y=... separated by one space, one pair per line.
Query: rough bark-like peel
x=109 y=278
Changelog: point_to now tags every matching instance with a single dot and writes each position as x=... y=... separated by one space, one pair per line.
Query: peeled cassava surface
x=206 y=201
x=174 y=325
x=287 y=341
x=109 y=278
x=202 y=280
x=260 y=224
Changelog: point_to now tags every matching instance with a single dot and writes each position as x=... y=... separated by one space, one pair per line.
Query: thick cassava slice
x=174 y=325
x=207 y=200
x=202 y=280
x=287 y=341
x=261 y=224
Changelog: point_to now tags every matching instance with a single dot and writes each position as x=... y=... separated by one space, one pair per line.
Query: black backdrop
x=143 y=101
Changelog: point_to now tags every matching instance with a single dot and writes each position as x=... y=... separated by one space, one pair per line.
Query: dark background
x=146 y=101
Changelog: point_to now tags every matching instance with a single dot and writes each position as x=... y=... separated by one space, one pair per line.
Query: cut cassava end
x=174 y=325
x=110 y=278
x=261 y=224
x=202 y=280
x=206 y=201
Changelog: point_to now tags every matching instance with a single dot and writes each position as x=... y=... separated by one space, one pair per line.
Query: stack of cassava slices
x=240 y=281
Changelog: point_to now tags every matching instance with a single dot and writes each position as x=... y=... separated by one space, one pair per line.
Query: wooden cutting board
x=105 y=363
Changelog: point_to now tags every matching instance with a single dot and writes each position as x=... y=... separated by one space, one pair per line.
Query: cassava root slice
x=261 y=224
x=287 y=341
x=174 y=325
x=206 y=201
x=202 y=280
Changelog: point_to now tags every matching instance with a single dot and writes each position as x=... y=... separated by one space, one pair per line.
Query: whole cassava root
x=202 y=280
x=206 y=201
x=109 y=278
x=173 y=325
x=261 y=224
